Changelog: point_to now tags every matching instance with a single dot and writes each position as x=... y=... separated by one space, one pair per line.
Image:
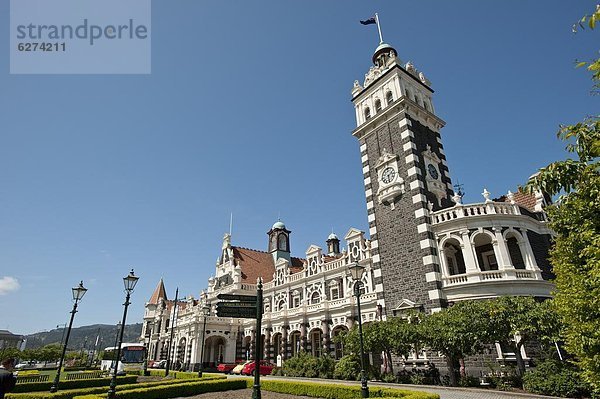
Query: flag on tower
x=369 y=21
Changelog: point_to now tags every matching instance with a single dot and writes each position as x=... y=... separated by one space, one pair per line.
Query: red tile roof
x=522 y=199
x=159 y=292
x=256 y=264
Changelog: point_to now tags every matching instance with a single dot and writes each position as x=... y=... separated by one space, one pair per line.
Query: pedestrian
x=7 y=379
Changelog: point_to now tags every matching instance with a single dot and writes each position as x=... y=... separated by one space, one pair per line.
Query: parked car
x=28 y=365
x=238 y=369
x=226 y=367
x=160 y=364
x=265 y=368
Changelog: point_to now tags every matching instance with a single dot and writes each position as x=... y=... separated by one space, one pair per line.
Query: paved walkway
x=444 y=392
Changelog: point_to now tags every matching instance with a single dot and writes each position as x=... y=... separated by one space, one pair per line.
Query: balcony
x=494 y=283
x=473 y=211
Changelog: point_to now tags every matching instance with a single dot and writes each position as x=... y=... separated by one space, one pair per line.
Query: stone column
x=284 y=343
x=468 y=253
x=527 y=253
x=268 y=345
x=303 y=336
x=326 y=337
x=501 y=251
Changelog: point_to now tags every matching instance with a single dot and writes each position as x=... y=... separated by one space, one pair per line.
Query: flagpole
x=378 y=28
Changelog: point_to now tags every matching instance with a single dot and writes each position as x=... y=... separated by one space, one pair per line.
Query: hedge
x=183 y=375
x=175 y=390
x=71 y=393
x=71 y=384
x=337 y=391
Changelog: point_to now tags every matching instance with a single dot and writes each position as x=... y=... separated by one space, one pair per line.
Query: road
x=444 y=392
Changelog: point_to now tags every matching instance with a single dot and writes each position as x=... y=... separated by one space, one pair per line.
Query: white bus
x=132 y=358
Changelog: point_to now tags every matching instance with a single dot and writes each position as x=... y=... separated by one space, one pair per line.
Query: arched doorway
x=214 y=351
x=316 y=337
x=337 y=343
x=246 y=346
x=180 y=356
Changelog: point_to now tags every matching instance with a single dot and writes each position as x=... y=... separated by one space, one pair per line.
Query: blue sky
x=247 y=110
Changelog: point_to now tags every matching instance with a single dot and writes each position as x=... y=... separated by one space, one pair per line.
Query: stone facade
x=425 y=249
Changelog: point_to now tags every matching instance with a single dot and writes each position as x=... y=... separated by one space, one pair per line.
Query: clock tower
x=405 y=177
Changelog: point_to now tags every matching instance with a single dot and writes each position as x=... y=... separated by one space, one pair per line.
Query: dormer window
x=367 y=113
x=389 y=97
x=377 y=105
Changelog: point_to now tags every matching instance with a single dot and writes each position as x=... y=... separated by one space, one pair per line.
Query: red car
x=265 y=368
x=226 y=367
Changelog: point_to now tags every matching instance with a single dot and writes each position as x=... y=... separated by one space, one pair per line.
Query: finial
x=511 y=197
x=457 y=198
x=486 y=195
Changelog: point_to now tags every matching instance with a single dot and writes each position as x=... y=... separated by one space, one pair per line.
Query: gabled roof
x=256 y=264
x=159 y=293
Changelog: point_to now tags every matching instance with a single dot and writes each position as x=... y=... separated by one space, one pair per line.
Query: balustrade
x=472 y=210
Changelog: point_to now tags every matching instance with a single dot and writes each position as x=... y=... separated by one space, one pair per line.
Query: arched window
x=367 y=113
x=426 y=105
x=389 y=97
x=281 y=305
x=282 y=242
x=315 y=298
x=484 y=249
x=377 y=105
x=453 y=256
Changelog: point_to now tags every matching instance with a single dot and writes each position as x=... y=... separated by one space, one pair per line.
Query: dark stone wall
x=401 y=257
x=540 y=245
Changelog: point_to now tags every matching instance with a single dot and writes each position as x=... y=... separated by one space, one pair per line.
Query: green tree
x=50 y=353
x=575 y=219
x=456 y=332
x=515 y=320
x=392 y=336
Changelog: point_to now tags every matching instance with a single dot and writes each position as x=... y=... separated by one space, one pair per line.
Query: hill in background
x=84 y=337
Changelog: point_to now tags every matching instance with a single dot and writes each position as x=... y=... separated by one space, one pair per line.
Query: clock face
x=432 y=171
x=388 y=175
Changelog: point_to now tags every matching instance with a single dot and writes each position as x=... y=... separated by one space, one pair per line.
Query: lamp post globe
x=78 y=293
x=356 y=271
x=129 y=281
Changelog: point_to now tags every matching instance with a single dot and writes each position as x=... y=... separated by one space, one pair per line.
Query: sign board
x=236 y=305
x=243 y=313
x=235 y=297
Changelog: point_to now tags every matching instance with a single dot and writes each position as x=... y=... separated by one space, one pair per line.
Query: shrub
x=468 y=381
x=556 y=378
x=305 y=365
x=336 y=391
x=388 y=377
x=347 y=368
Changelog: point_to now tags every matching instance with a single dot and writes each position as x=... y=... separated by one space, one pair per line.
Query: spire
x=159 y=293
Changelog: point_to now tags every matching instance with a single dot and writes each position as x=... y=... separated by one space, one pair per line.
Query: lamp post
x=205 y=314
x=357 y=270
x=129 y=281
x=78 y=293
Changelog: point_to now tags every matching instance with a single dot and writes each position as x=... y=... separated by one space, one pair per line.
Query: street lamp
x=205 y=314
x=78 y=293
x=357 y=270
x=129 y=281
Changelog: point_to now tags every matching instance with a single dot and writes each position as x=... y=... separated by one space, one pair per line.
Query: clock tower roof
x=383 y=48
